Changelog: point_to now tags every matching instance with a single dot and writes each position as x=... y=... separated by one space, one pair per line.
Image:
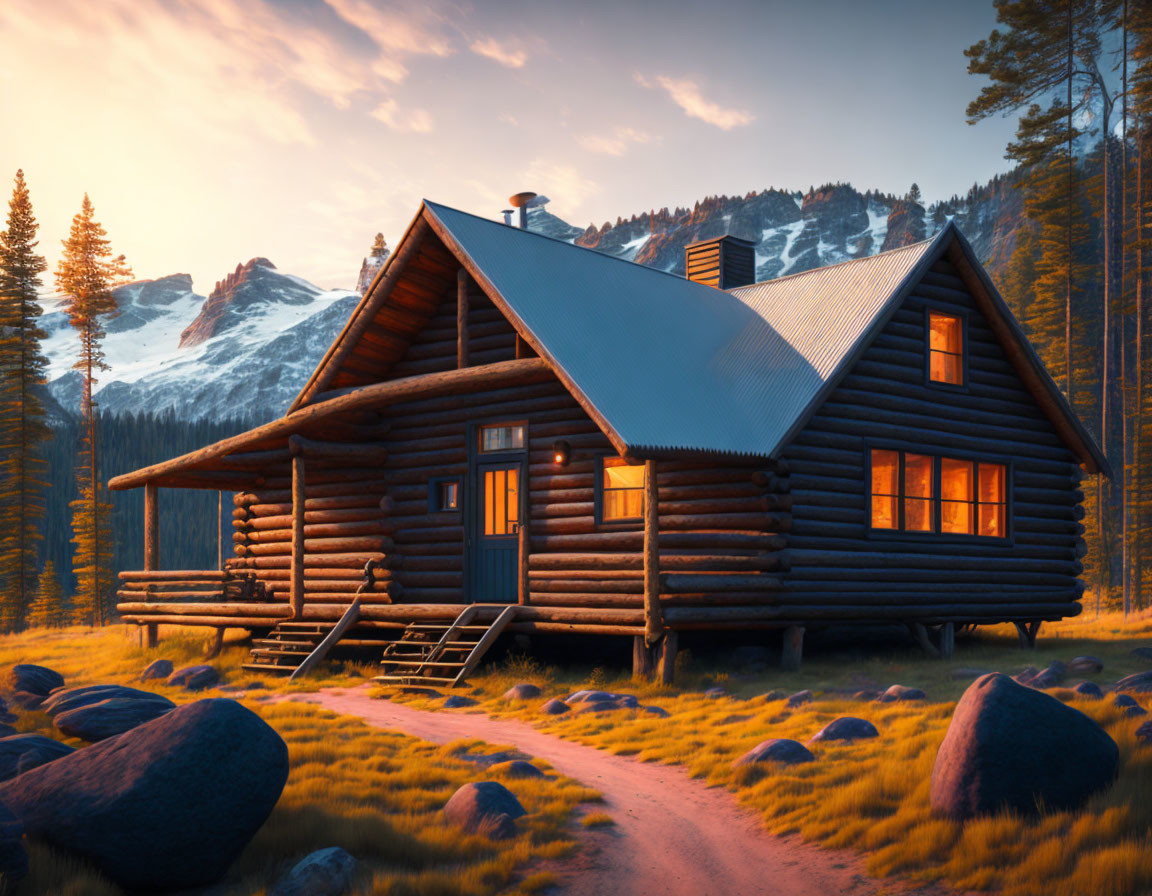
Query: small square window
x=444 y=495
x=945 y=348
x=622 y=490
x=502 y=437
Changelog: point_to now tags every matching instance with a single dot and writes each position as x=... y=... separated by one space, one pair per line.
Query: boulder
x=1140 y=683
x=590 y=697
x=157 y=669
x=899 y=692
x=1027 y=675
x=1142 y=653
x=326 y=872
x=714 y=693
x=800 y=698
x=782 y=750
x=1052 y=675
x=628 y=701
x=1089 y=689
x=25 y=700
x=1014 y=747
x=66 y=699
x=516 y=768
x=847 y=728
x=1129 y=705
x=487 y=808
x=7 y=731
x=108 y=718
x=21 y=752
x=167 y=805
x=13 y=855
x=658 y=711
x=773 y=695
x=194 y=678
x=456 y=702
x=1085 y=665
x=1144 y=734
x=522 y=691
x=555 y=708
x=38 y=681
x=866 y=696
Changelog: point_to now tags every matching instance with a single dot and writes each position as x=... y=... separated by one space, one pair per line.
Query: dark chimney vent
x=724 y=262
x=520 y=201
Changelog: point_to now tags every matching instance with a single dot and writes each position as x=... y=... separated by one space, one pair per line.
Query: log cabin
x=513 y=433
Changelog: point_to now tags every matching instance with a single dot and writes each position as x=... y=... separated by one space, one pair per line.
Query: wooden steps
x=286 y=647
x=442 y=654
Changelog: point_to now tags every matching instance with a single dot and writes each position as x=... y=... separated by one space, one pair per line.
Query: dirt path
x=673 y=834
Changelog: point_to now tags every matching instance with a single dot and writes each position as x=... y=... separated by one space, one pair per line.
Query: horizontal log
x=354 y=561
x=634 y=562
x=862 y=613
x=316 y=545
x=323 y=530
x=313 y=490
x=363 y=501
x=556 y=628
x=358 y=453
x=582 y=599
x=140 y=575
x=705 y=583
x=316 y=517
x=214 y=595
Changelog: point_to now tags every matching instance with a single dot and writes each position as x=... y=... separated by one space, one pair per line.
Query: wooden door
x=496 y=528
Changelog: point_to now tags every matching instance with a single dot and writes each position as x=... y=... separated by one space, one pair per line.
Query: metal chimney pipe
x=507 y=213
x=520 y=201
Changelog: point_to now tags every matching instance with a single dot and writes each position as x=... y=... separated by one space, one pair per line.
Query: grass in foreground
x=873 y=796
x=375 y=793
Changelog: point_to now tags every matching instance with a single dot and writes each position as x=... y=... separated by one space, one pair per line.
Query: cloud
x=686 y=94
x=508 y=54
x=410 y=121
x=616 y=143
x=562 y=183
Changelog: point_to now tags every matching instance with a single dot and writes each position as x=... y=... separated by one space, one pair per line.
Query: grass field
x=375 y=793
x=873 y=796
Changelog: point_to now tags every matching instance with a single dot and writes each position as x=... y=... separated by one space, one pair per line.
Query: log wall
x=839 y=569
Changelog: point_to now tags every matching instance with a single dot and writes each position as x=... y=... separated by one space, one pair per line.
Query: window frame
x=1008 y=539
x=598 y=498
x=960 y=314
x=435 y=485
x=478 y=439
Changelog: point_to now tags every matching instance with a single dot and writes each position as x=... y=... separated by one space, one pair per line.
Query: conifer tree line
x=1078 y=74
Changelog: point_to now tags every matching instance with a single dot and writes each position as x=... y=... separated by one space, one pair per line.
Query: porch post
x=298 y=498
x=653 y=614
x=524 y=538
x=148 y=631
x=461 y=318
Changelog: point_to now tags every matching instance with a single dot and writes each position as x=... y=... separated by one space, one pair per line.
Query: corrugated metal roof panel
x=676 y=365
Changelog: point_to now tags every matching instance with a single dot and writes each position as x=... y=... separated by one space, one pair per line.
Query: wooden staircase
x=287 y=646
x=439 y=654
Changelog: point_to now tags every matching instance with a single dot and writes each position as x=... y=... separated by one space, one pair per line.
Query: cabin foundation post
x=947 y=640
x=149 y=631
x=296 y=594
x=212 y=648
x=793 y=650
x=666 y=657
x=920 y=633
x=1027 y=632
x=653 y=613
x=461 y=318
x=643 y=659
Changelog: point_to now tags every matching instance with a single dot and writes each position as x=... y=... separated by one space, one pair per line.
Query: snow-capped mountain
x=245 y=350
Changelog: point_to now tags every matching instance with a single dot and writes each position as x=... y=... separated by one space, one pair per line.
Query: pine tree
x=914 y=193
x=86 y=275
x=23 y=469
x=49 y=609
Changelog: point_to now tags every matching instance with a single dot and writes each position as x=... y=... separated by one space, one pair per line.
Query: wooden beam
x=462 y=318
x=298 y=483
x=524 y=540
x=366 y=454
x=653 y=616
x=151 y=528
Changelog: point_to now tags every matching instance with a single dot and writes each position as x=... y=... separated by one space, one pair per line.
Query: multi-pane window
x=502 y=437
x=914 y=492
x=501 y=502
x=622 y=489
x=945 y=348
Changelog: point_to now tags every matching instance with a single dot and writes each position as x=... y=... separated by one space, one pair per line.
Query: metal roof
x=672 y=365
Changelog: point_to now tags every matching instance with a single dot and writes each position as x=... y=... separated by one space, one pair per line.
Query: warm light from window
x=945 y=348
x=927 y=493
x=885 y=489
x=623 y=489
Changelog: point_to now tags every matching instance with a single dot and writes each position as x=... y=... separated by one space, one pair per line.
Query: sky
x=207 y=132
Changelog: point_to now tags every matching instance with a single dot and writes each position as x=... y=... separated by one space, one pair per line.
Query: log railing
x=189 y=586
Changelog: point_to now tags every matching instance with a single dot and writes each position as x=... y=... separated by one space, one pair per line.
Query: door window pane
x=501 y=502
x=622 y=485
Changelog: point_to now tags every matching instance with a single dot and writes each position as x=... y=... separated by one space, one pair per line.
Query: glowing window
x=945 y=348
x=992 y=501
x=918 y=489
x=502 y=437
x=501 y=502
x=885 y=489
x=957 y=498
x=622 y=489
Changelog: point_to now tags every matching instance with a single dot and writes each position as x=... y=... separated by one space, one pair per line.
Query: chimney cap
x=739 y=241
x=521 y=199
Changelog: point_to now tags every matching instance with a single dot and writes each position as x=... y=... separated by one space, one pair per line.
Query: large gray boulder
x=21 y=752
x=167 y=805
x=326 y=872
x=782 y=750
x=66 y=699
x=487 y=808
x=1015 y=747
x=13 y=855
x=109 y=718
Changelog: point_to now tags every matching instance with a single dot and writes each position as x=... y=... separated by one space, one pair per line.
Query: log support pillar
x=947 y=640
x=523 y=538
x=212 y=648
x=1028 y=632
x=666 y=657
x=149 y=631
x=642 y=658
x=653 y=613
x=792 y=652
x=656 y=662
x=461 y=318
x=298 y=498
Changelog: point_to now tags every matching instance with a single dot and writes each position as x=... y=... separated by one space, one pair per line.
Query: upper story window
x=945 y=348
x=913 y=492
x=622 y=489
x=501 y=437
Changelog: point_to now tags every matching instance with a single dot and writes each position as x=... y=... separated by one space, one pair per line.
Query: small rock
x=866 y=696
x=108 y=718
x=1053 y=674
x=847 y=728
x=800 y=698
x=1142 y=653
x=195 y=678
x=1144 y=734
x=714 y=693
x=486 y=807
x=21 y=752
x=590 y=697
x=1124 y=700
x=66 y=699
x=659 y=711
x=1089 y=689
x=782 y=750
x=456 y=702
x=773 y=695
x=1132 y=711
x=1085 y=665
x=35 y=680
x=157 y=669
x=522 y=691
x=899 y=692
x=597 y=706
x=1141 y=683
x=13 y=854
x=555 y=708
x=516 y=768
x=1017 y=747
x=326 y=872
